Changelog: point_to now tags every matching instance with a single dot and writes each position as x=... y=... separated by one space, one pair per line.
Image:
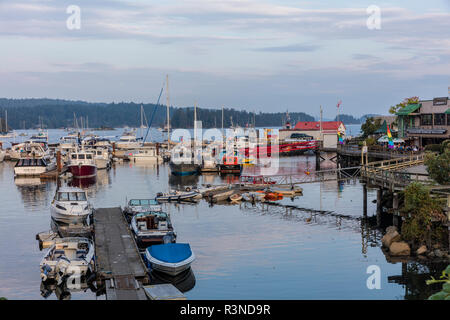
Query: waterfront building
x=425 y=122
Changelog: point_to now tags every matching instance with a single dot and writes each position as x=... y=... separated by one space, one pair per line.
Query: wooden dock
x=118 y=262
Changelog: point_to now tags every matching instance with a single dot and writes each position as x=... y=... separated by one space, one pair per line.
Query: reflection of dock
x=118 y=262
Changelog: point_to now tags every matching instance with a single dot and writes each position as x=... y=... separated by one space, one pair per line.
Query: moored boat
x=67 y=256
x=177 y=196
x=170 y=258
x=82 y=164
x=70 y=205
x=135 y=206
x=152 y=227
x=32 y=167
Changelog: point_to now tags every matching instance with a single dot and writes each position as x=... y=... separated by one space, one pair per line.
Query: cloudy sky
x=262 y=55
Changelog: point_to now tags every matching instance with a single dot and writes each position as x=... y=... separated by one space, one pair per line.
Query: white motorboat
x=2 y=155
x=33 y=167
x=102 y=158
x=67 y=256
x=68 y=142
x=135 y=206
x=152 y=227
x=170 y=258
x=150 y=154
x=30 y=148
x=70 y=205
x=128 y=141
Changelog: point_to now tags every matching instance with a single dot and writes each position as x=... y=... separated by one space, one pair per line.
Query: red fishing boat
x=82 y=164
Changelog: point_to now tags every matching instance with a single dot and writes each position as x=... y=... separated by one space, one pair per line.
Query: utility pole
x=321 y=131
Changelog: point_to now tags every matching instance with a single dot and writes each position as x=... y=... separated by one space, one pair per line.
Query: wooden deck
x=118 y=262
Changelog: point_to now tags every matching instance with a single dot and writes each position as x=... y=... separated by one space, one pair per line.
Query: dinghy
x=177 y=196
x=66 y=257
x=170 y=258
x=235 y=197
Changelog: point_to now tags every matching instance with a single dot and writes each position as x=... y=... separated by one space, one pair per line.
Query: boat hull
x=184 y=169
x=170 y=268
x=83 y=171
x=60 y=216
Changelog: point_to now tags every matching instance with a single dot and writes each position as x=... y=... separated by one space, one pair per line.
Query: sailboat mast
x=142 y=121
x=168 y=116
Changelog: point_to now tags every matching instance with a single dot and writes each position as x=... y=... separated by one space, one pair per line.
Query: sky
x=255 y=55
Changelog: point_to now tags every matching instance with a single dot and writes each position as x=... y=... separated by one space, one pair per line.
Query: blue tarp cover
x=170 y=252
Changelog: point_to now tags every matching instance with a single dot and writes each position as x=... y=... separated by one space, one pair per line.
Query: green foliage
x=433 y=147
x=370 y=141
x=419 y=211
x=444 y=294
x=3 y=298
x=404 y=103
x=60 y=113
x=370 y=126
x=438 y=165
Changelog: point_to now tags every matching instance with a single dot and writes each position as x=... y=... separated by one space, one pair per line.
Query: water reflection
x=66 y=289
x=179 y=182
x=184 y=281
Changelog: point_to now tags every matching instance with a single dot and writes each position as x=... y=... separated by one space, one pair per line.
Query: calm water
x=318 y=249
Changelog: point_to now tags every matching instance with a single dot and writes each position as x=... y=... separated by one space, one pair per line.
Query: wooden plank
x=116 y=251
x=163 y=292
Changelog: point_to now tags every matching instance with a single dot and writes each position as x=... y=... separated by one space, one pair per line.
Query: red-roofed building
x=328 y=132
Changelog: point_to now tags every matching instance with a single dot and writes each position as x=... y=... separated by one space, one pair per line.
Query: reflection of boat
x=83 y=182
x=28 y=181
x=170 y=258
x=68 y=256
x=152 y=228
x=70 y=205
x=183 y=281
x=177 y=182
x=64 y=290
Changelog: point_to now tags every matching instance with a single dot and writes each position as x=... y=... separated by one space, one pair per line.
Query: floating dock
x=118 y=262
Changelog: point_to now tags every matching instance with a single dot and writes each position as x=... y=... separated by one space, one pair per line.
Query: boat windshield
x=71 y=196
x=143 y=202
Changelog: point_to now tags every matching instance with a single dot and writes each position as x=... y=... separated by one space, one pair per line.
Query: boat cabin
x=31 y=163
x=70 y=194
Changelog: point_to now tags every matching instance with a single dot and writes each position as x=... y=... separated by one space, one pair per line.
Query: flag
x=339 y=104
x=341 y=140
x=391 y=143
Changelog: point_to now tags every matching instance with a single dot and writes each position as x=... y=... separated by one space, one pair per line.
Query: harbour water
x=315 y=246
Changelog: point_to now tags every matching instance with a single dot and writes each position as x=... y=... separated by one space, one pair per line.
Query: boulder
x=438 y=253
x=421 y=250
x=391 y=236
x=399 y=249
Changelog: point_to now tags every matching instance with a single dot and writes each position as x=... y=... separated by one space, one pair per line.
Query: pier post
x=379 y=206
x=58 y=161
x=317 y=160
x=395 y=215
x=114 y=149
x=365 y=200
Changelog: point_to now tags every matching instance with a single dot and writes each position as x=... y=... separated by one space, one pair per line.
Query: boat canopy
x=170 y=252
x=151 y=213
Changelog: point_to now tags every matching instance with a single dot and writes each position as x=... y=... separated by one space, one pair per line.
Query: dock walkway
x=118 y=262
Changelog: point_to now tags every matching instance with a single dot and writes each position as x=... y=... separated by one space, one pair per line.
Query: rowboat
x=235 y=197
x=177 y=196
x=170 y=258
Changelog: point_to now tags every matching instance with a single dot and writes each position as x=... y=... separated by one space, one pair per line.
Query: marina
x=307 y=210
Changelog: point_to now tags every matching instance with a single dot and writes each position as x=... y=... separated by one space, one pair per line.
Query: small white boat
x=220 y=196
x=170 y=258
x=2 y=155
x=128 y=141
x=102 y=158
x=68 y=256
x=177 y=196
x=70 y=205
x=135 y=206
